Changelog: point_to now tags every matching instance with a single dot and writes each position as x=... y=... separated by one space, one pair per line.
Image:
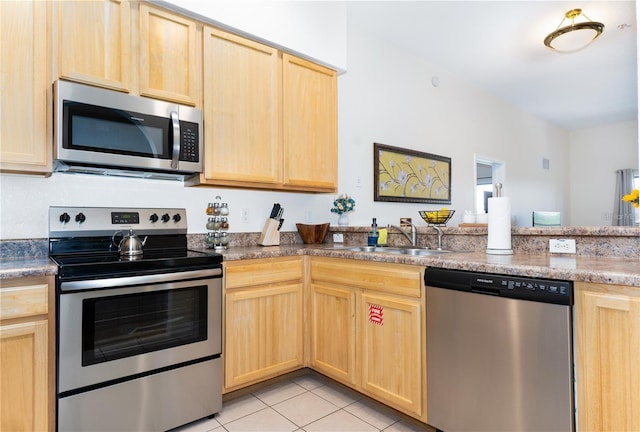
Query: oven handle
x=139 y=280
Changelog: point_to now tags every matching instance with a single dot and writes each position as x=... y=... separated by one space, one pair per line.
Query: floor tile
x=305 y=408
x=309 y=382
x=238 y=408
x=279 y=392
x=401 y=426
x=266 y=420
x=336 y=395
x=205 y=425
x=373 y=414
x=340 y=421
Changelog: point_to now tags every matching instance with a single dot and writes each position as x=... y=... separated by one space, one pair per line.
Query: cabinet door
x=333 y=332
x=263 y=333
x=310 y=125
x=94 y=42
x=608 y=354
x=23 y=368
x=392 y=368
x=25 y=143
x=169 y=56
x=242 y=86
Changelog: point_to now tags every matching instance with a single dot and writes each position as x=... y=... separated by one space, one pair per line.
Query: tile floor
x=309 y=403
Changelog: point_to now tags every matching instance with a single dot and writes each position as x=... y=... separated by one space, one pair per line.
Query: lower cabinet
x=263 y=323
x=607 y=330
x=368 y=329
x=26 y=355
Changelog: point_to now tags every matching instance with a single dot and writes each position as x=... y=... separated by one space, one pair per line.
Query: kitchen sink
x=403 y=250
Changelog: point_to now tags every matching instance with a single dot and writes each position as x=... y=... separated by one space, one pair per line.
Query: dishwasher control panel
x=534 y=289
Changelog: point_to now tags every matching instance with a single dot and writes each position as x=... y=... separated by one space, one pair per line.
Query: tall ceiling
x=497 y=46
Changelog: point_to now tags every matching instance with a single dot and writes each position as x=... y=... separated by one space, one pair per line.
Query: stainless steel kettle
x=130 y=245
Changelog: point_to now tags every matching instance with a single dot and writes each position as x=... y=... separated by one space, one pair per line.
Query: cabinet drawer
x=23 y=301
x=261 y=272
x=377 y=276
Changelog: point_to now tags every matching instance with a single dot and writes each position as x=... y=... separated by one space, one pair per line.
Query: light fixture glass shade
x=575 y=36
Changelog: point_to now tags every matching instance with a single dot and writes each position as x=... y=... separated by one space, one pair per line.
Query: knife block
x=270 y=235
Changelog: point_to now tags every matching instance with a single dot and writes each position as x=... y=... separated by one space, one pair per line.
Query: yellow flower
x=632 y=198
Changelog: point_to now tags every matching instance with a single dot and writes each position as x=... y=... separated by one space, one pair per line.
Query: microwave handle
x=175 y=123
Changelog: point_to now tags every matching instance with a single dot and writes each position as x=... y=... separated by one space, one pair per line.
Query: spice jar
x=210 y=209
x=210 y=224
x=223 y=223
x=224 y=209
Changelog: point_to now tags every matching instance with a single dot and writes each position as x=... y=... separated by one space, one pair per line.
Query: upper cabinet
x=170 y=59
x=270 y=118
x=242 y=89
x=310 y=114
x=94 y=42
x=25 y=127
x=130 y=47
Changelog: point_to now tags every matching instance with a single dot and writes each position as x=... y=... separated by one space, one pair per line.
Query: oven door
x=122 y=332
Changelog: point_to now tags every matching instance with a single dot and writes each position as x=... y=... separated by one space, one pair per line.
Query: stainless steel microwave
x=100 y=131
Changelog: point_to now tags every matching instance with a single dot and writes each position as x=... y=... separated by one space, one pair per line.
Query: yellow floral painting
x=404 y=175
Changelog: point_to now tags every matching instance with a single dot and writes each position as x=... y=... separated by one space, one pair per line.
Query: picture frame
x=405 y=175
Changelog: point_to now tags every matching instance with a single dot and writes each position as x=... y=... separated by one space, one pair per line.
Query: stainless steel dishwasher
x=499 y=352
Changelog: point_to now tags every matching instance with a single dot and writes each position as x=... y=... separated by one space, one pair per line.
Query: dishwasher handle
x=485 y=290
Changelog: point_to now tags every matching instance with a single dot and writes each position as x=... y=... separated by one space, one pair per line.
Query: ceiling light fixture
x=576 y=35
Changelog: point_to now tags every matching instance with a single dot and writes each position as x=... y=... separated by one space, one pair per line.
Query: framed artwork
x=403 y=175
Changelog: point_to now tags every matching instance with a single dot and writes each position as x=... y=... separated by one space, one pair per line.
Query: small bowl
x=313 y=234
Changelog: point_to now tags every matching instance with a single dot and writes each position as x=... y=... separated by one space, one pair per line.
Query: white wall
x=387 y=97
x=596 y=153
x=315 y=29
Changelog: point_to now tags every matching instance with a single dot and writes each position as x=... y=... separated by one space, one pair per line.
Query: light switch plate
x=562 y=246
x=338 y=238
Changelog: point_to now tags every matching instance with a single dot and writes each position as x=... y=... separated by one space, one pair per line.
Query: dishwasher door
x=498 y=364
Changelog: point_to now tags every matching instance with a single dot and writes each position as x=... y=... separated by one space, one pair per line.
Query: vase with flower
x=342 y=206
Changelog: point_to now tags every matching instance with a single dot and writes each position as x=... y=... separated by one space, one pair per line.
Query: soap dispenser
x=372 y=240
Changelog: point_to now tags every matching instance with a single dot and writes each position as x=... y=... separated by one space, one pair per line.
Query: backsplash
x=590 y=241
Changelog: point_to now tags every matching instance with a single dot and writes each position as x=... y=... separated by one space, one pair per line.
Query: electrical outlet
x=244 y=215
x=562 y=246
x=338 y=238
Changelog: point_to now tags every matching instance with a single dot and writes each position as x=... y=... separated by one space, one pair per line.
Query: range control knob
x=165 y=217
x=176 y=217
x=80 y=217
x=153 y=218
x=65 y=218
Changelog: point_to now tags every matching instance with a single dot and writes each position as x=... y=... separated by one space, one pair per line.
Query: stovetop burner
x=81 y=244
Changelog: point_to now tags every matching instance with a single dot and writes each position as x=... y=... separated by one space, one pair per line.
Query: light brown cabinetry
x=94 y=42
x=368 y=329
x=25 y=134
x=263 y=332
x=607 y=329
x=131 y=47
x=26 y=359
x=242 y=88
x=170 y=56
x=310 y=122
x=271 y=118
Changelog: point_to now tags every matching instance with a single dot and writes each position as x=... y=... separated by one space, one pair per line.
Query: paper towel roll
x=499 y=226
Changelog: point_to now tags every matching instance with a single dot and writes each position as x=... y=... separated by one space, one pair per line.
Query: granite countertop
x=617 y=271
x=26 y=266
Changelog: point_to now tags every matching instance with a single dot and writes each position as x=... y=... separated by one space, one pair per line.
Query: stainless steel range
x=138 y=320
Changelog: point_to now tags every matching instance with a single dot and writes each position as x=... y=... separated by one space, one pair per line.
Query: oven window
x=132 y=324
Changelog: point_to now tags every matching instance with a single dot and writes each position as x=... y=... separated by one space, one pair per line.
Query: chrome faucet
x=414 y=233
x=439 y=230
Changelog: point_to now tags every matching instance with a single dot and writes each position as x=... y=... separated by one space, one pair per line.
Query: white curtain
x=623 y=214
